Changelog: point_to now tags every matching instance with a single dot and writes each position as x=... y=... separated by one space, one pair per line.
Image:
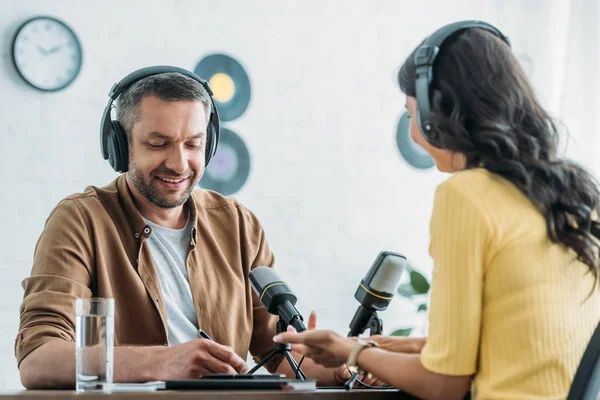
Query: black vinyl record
x=229 y=82
x=410 y=151
x=229 y=168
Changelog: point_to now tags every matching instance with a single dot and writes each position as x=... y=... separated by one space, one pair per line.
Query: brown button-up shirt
x=94 y=244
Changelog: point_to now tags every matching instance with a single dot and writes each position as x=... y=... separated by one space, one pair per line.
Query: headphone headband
x=107 y=129
x=142 y=73
x=425 y=56
x=438 y=37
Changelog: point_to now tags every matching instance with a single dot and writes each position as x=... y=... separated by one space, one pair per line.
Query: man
x=175 y=259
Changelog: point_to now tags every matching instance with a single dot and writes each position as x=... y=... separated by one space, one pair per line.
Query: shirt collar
x=135 y=219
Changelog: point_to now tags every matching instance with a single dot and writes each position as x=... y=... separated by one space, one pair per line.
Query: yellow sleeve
x=459 y=233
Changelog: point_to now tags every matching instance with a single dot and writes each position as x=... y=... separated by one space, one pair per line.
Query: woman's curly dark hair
x=483 y=106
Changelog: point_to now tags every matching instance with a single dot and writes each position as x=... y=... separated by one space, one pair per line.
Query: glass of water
x=94 y=344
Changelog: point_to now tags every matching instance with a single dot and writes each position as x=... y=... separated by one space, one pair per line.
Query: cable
x=299 y=364
x=353 y=378
x=386 y=386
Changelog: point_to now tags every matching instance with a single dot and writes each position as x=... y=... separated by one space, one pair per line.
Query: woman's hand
x=323 y=347
x=337 y=350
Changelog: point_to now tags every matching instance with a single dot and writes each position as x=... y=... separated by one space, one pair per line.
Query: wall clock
x=47 y=53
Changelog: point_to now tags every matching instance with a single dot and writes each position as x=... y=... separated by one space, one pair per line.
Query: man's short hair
x=170 y=86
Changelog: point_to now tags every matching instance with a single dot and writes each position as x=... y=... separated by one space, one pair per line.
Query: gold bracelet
x=352 y=362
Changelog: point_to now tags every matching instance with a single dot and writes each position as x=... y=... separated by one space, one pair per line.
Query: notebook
x=221 y=382
x=238 y=383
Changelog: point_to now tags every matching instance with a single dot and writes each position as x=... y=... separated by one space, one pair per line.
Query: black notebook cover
x=241 y=384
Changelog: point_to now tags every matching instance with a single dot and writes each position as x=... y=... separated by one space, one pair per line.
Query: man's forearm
x=52 y=365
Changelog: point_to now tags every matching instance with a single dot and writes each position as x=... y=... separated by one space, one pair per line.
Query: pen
x=204 y=335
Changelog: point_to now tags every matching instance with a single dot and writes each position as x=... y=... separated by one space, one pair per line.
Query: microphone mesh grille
x=261 y=277
x=387 y=276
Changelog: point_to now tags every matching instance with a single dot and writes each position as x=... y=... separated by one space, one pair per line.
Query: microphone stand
x=281 y=349
x=375 y=326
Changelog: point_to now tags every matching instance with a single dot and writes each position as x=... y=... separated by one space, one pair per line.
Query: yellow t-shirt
x=507 y=305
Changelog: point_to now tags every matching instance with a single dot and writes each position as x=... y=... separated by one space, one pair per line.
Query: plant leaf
x=422 y=307
x=419 y=282
x=401 y=332
x=406 y=290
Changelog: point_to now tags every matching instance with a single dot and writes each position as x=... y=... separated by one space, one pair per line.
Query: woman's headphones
x=424 y=58
x=113 y=139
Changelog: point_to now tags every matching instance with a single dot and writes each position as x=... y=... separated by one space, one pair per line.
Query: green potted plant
x=417 y=292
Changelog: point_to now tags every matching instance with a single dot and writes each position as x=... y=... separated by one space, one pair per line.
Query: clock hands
x=55 y=49
x=50 y=51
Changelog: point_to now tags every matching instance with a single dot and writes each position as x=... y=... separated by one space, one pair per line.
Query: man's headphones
x=113 y=139
x=424 y=58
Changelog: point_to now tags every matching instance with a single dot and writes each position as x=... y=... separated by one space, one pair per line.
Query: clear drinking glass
x=94 y=344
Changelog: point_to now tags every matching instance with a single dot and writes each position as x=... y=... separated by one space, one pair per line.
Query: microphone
x=375 y=292
x=276 y=296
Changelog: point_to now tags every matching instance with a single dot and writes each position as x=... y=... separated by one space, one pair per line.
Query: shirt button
x=146 y=230
x=137 y=235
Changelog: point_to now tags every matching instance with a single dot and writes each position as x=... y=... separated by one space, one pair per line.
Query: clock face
x=47 y=53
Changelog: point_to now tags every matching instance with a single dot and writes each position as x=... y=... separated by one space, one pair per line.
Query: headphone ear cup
x=436 y=102
x=118 y=151
x=212 y=133
x=210 y=137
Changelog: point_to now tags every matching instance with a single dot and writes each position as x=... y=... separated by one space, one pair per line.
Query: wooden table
x=326 y=394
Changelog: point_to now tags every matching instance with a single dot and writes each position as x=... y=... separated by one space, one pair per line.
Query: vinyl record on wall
x=229 y=168
x=229 y=82
x=410 y=151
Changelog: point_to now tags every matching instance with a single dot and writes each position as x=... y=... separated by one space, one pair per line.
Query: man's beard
x=153 y=196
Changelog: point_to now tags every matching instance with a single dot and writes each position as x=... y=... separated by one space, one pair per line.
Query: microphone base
x=284 y=350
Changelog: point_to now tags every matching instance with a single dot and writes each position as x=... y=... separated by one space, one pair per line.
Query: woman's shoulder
x=478 y=182
x=470 y=183
x=486 y=192
x=473 y=177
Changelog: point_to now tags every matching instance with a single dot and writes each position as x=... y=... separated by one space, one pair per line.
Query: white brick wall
x=327 y=181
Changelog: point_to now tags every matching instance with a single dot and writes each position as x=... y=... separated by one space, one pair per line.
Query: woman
x=514 y=296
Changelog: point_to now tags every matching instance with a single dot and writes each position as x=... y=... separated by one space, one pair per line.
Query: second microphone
x=276 y=296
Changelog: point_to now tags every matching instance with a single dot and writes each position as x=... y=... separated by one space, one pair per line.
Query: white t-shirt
x=169 y=248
